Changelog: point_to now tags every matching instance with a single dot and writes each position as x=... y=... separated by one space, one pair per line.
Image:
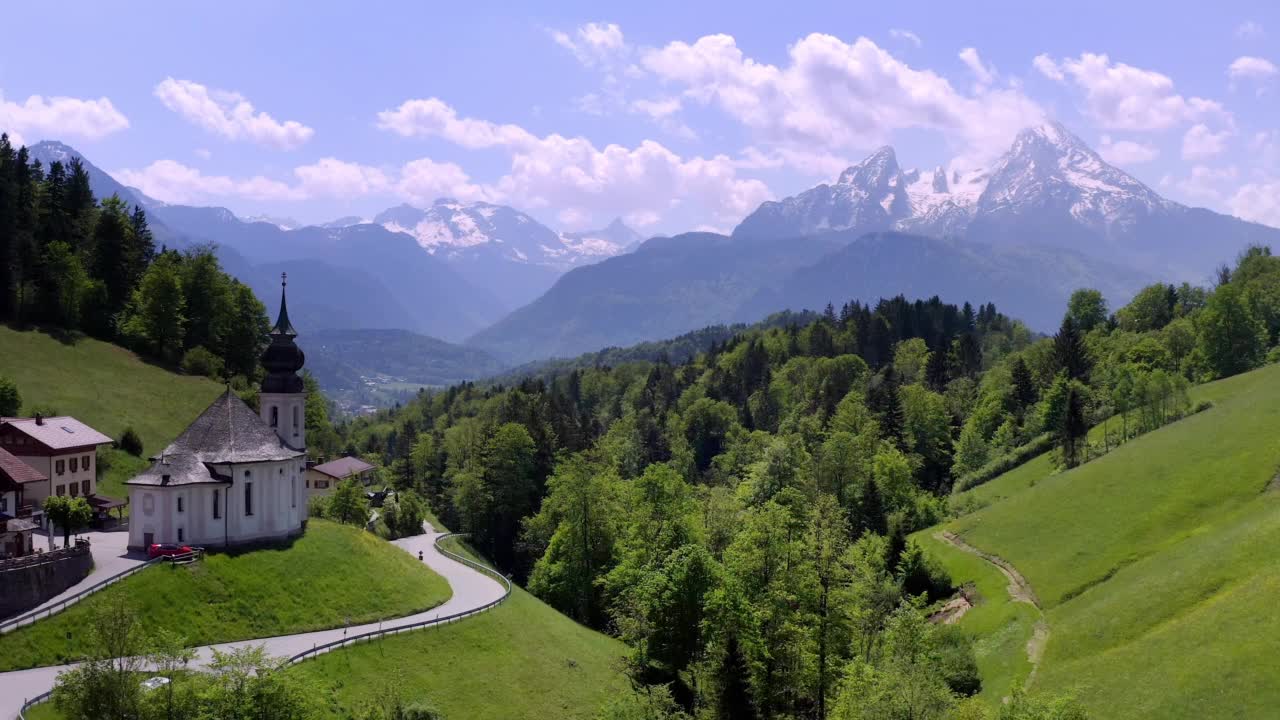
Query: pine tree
x=1024 y=387
x=1069 y=351
x=936 y=373
x=8 y=212
x=1073 y=428
x=734 y=691
x=885 y=402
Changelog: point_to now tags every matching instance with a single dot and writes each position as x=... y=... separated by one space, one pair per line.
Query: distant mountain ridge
x=1050 y=188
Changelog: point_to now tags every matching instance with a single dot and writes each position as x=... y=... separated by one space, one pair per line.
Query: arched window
x=248 y=498
x=217 y=509
x=295 y=419
x=275 y=416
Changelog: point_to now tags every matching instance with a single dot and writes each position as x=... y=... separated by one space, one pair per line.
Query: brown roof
x=15 y=471
x=57 y=433
x=343 y=467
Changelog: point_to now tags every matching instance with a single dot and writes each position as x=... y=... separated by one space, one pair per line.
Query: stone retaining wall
x=28 y=581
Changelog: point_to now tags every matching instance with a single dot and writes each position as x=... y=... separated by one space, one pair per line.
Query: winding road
x=472 y=590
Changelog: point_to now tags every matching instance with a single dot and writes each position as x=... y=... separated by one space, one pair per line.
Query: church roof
x=227 y=432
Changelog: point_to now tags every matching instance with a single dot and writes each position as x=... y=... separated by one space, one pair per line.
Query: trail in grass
x=1019 y=590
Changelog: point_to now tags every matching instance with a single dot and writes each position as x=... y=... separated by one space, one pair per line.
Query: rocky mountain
x=501 y=248
x=1050 y=188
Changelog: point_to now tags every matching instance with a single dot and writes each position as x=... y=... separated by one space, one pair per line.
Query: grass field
x=107 y=387
x=332 y=575
x=520 y=660
x=1155 y=564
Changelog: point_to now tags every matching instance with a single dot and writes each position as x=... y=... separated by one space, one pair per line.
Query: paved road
x=471 y=589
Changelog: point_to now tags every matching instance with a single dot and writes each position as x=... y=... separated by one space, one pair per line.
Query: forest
x=71 y=264
x=741 y=518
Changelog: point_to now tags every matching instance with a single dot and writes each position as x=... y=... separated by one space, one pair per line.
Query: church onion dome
x=283 y=358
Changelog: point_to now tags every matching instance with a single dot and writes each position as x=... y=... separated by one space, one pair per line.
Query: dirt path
x=1019 y=590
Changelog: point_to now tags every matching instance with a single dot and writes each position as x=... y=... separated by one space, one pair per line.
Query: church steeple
x=283 y=359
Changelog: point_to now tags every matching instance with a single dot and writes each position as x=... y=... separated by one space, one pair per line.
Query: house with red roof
x=63 y=451
x=16 y=526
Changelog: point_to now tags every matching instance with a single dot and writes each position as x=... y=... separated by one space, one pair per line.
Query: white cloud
x=657 y=109
x=1258 y=201
x=1126 y=152
x=1249 y=29
x=173 y=182
x=835 y=96
x=202 y=153
x=229 y=115
x=1201 y=143
x=1203 y=184
x=1048 y=67
x=899 y=34
x=984 y=73
x=39 y=117
x=424 y=180
x=593 y=44
x=1123 y=97
x=1247 y=66
x=330 y=177
x=573 y=174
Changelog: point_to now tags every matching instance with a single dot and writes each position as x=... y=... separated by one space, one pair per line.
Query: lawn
x=330 y=576
x=520 y=660
x=1155 y=564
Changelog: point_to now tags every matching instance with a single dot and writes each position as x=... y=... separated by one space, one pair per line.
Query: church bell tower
x=282 y=400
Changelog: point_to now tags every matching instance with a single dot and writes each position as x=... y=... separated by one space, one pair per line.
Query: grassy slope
x=520 y=660
x=1154 y=562
x=107 y=387
x=330 y=575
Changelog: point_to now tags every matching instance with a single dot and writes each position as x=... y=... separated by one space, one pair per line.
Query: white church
x=234 y=476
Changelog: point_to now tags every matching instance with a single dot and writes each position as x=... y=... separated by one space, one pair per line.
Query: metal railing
x=318 y=650
x=42 y=697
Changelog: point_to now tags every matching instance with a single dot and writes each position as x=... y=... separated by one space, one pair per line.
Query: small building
x=322 y=479
x=16 y=526
x=64 y=451
x=234 y=476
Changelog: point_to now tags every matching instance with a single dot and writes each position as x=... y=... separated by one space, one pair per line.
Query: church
x=234 y=476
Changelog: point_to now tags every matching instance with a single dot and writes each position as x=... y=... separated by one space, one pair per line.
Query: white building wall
x=290 y=412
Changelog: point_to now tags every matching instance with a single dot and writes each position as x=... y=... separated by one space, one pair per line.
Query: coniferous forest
x=72 y=263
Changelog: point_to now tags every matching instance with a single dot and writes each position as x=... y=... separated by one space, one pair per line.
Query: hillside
x=107 y=387
x=1152 y=564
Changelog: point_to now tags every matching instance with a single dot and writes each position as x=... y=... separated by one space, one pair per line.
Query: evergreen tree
x=885 y=402
x=1069 y=351
x=1024 y=387
x=936 y=372
x=8 y=219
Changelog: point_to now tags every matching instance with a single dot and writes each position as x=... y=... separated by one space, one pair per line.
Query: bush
x=130 y=442
x=10 y=398
x=199 y=361
x=920 y=573
x=1006 y=462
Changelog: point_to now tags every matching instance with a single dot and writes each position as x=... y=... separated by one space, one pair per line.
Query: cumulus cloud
x=424 y=180
x=907 y=35
x=331 y=177
x=39 y=117
x=1258 y=201
x=834 y=96
x=593 y=44
x=1203 y=184
x=1252 y=69
x=171 y=181
x=1124 y=97
x=1201 y=143
x=1126 y=152
x=229 y=115
x=573 y=174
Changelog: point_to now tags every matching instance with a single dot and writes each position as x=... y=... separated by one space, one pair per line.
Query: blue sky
x=674 y=115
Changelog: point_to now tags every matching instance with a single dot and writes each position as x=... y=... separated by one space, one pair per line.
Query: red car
x=167 y=550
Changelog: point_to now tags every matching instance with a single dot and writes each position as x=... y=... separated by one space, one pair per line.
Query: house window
x=75 y=489
x=62 y=490
x=322 y=484
x=248 y=498
x=4 y=504
x=75 y=464
x=180 y=535
x=84 y=462
x=84 y=486
x=60 y=467
x=217 y=507
x=275 y=416
x=179 y=503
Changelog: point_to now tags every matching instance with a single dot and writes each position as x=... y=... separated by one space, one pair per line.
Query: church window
x=275 y=416
x=179 y=503
x=295 y=419
x=180 y=535
x=248 y=498
x=294 y=502
x=217 y=508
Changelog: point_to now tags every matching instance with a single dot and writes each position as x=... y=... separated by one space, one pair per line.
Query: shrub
x=130 y=442
x=1006 y=462
x=199 y=361
x=10 y=398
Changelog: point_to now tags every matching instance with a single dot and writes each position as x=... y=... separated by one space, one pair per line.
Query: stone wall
x=28 y=581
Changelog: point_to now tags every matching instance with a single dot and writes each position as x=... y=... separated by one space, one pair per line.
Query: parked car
x=167 y=550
